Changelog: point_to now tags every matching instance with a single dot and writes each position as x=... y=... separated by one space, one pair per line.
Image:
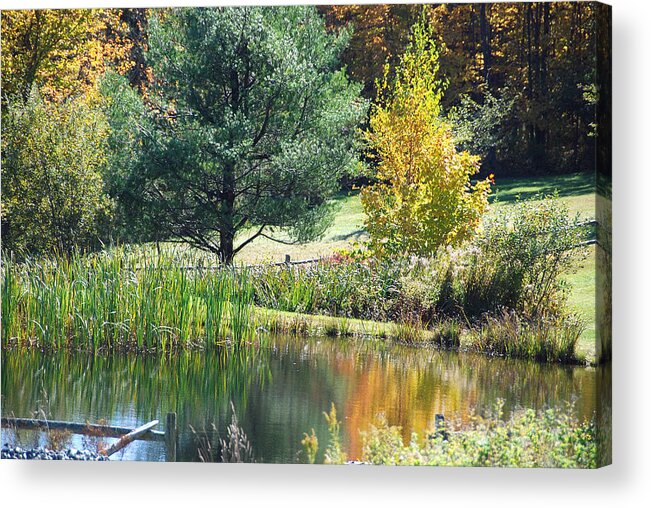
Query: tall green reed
x=118 y=300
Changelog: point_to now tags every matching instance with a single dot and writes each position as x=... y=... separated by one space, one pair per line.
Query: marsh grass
x=132 y=300
x=409 y=332
x=114 y=301
x=546 y=338
x=447 y=333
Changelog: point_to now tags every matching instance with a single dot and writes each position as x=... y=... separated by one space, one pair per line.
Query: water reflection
x=281 y=390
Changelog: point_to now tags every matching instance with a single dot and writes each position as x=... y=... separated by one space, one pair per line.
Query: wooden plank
x=129 y=438
x=79 y=428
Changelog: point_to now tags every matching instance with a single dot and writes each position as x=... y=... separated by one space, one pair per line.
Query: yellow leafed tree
x=424 y=197
x=62 y=52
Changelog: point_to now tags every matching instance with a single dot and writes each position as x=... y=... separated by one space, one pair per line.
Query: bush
x=514 y=263
x=517 y=259
x=52 y=191
x=552 y=438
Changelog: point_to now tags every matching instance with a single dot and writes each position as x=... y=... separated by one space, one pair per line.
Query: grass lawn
x=576 y=190
x=582 y=299
x=347 y=228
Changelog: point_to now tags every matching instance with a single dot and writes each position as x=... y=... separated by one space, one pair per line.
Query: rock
x=45 y=454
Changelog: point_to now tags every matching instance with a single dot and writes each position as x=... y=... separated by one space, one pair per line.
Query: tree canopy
x=62 y=52
x=251 y=123
x=53 y=156
x=538 y=57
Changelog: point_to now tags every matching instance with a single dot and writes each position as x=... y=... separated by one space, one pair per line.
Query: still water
x=280 y=391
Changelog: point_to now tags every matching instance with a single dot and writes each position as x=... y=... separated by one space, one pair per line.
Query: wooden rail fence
x=126 y=435
x=288 y=261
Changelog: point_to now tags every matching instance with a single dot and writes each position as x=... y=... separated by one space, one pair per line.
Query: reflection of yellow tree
x=408 y=396
x=410 y=386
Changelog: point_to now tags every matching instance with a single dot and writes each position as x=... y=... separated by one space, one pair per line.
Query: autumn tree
x=62 y=52
x=379 y=35
x=538 y=57
x=423 y=198
x=251 y=124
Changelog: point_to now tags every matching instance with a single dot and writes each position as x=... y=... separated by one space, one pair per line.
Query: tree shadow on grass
x=357 y=234
x=576 y=184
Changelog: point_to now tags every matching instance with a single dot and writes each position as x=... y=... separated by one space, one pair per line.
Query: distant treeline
x=522 y=76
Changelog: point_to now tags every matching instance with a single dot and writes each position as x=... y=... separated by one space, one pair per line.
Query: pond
x=281 y=390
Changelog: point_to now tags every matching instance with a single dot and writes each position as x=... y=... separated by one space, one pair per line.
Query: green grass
x=117 y=301
x=581 y=299
x=283 y=321
x=347 y=228
x=576 y=190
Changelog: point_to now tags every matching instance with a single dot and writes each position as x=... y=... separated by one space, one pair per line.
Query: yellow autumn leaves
x=424 y=197
x=63 y=52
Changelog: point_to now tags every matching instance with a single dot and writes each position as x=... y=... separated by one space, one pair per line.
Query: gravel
x=41 y=453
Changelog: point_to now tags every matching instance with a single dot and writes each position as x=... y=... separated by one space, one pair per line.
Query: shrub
x=552 y=438
x=517 y=259
x=348 y=288
x=514 y=263
x=53 y=195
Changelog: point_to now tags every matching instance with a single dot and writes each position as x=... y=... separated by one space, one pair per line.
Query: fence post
x=171 y=437
x=288 y=259
x=439 y=426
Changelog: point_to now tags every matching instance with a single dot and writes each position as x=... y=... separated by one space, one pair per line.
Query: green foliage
x=517 y=259
x=336 y=287
x=252 y=140
x=125 y=113
x=479 y=125
x=553 y=438
x=119 y=300
x=53 y=156
x=515 y=262
x=424 y=197
x=604 y=278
